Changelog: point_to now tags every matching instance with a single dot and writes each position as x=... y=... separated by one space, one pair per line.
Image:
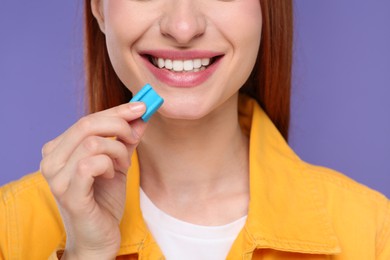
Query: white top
x=182 y=240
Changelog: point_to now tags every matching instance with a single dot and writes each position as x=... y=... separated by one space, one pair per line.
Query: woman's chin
x=182 y=112
x=186 y=108
x=181 y=115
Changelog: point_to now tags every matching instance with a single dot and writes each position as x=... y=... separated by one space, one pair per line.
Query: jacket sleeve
x=383 y=252
x=3 y=227
x=30 y=224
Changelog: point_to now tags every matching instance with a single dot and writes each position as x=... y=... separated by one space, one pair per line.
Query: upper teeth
x=182 y=65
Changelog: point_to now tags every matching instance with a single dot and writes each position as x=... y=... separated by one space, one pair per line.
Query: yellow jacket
x=296 y=210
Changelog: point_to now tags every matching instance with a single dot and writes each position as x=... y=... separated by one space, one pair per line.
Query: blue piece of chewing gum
x=151 y=99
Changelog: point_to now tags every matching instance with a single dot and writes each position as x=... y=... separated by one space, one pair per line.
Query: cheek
x=123 y=27
x=240 y=22
x=246 y=30
x=242 y=28
x=241 y=25
x=127 y=20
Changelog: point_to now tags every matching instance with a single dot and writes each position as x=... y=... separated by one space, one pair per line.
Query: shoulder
x=29 y=216
x=19 y=187
x=337 y=184
x=31 y=190
x=356 y=211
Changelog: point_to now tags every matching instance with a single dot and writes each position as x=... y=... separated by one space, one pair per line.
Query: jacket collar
x=286 y=210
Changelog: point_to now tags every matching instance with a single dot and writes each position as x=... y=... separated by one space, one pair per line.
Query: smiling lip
x=184 y=79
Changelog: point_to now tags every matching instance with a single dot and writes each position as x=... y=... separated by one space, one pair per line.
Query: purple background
x=341 y=92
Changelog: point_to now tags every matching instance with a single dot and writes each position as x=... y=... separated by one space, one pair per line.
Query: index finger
x=128 y=112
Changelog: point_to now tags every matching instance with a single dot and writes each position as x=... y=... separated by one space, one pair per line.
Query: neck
x=195 y=159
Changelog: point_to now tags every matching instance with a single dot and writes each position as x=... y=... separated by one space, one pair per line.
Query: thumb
x=139 y=127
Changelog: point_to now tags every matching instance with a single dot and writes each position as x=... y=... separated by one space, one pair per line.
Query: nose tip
x=183 y=31
x=182 y=24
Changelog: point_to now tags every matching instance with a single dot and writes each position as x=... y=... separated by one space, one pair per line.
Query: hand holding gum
x=151 y=99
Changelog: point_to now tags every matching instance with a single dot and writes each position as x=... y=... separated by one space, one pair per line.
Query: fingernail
x=137 y=107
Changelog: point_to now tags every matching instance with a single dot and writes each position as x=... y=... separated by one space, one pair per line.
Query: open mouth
x=188 y=65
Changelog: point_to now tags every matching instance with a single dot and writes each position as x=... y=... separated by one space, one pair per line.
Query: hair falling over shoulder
x=269 y=82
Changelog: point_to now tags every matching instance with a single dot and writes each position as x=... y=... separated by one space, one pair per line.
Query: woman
x=199 y=180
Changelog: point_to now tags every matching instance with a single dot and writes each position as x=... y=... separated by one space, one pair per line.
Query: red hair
x=269 y=82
